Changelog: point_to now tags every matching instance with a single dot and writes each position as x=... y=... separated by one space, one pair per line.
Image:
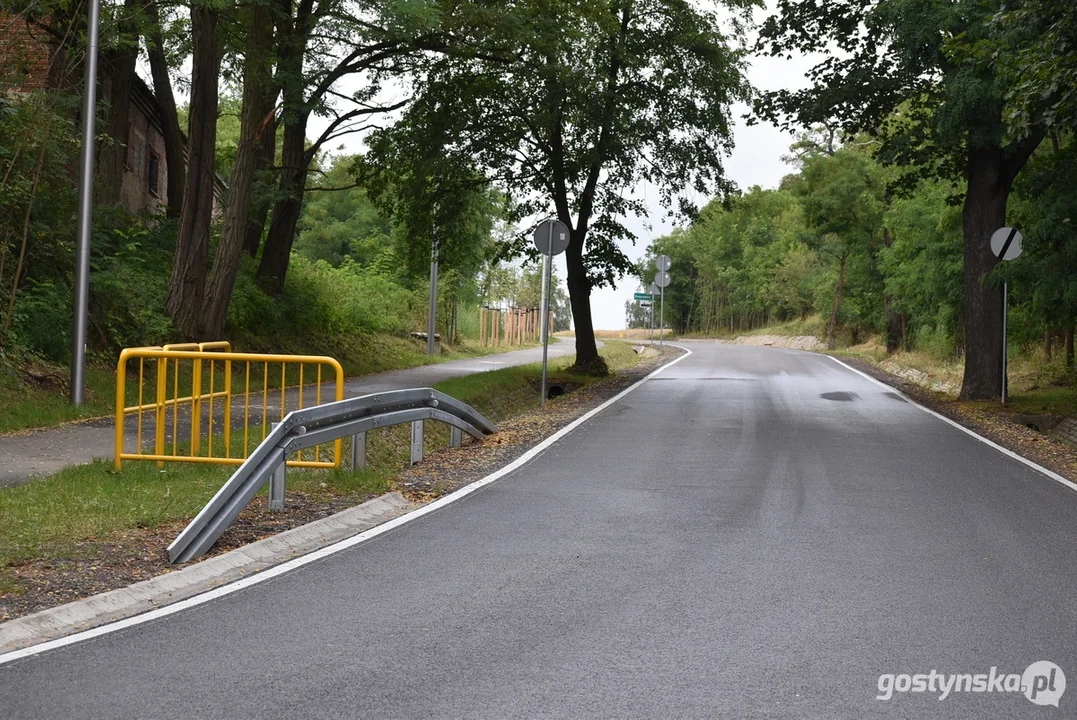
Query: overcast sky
x=756 y=160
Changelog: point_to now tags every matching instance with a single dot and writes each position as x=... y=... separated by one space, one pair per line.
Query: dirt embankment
x=796 y=342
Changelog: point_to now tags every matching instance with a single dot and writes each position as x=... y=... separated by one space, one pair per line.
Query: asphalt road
x=755 y=532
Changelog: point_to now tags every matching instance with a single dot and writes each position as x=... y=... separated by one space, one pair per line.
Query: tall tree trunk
x=175 y=164
x=579 y=294
x=222 y=278
x=259 y=211
x=1048 y=341
x=1069 y=346
x=119 y=67
x=293 y=178
x=983 y=213
x=292 y=43
x=187 y=284
x=832 y=328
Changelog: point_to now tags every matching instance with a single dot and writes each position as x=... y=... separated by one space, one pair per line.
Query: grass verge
x=81 y=511
x=1037 y=386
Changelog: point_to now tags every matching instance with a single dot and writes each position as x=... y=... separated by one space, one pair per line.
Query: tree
x=843 y=203
x=175 y=153
x=1047 y=210
x=257 y=82
x=903 y=70
x=572 y=105
x=1034 y=46
x=186 y=287
x=319 y=44
x=339 y=220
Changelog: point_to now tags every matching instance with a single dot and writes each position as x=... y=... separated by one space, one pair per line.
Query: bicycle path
x=45 y=451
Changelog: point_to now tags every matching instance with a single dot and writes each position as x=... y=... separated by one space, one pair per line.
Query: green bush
x=327 y=307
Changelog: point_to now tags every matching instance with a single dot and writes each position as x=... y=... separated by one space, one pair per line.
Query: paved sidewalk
x=43 y=452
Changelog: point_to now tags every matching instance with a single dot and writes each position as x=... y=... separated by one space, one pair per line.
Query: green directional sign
x=644 y=296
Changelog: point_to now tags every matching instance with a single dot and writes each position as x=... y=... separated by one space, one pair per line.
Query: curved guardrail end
x=311 y=426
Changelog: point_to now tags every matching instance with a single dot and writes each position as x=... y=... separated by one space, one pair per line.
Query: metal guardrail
x=182 y=373
x=302 y=429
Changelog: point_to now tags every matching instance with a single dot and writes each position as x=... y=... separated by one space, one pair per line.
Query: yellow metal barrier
x=170 y=406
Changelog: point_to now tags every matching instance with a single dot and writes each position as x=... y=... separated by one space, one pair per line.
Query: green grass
x=56 y=516
x=508 y=391
x=28 y=405
x=1037 y=386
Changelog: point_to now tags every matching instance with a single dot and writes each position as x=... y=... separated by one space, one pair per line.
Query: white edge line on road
x=1005 y=451
x=336 y=547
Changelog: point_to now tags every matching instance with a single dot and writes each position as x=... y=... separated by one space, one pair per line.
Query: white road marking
x=1010 y=453
x=335 y=548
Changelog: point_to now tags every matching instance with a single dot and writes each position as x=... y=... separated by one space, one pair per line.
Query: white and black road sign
x=1006 y=243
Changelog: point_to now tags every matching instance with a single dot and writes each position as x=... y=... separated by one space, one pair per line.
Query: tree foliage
x=567 y=106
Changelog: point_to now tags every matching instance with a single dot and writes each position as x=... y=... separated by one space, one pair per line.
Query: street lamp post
x=85 y=221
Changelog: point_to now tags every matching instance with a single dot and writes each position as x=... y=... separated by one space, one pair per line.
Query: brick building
x=28 y=61
x=145 y=177
x=25 y=55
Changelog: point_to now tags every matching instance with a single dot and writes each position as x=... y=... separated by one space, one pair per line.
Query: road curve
x=754 y=532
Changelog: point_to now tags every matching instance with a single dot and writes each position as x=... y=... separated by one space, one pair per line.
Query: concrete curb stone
x=197 y=578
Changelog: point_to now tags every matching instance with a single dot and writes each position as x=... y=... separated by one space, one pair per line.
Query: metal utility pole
x=551 y=238
x=662 y=321
x=433 y=312
x=544 y=323
x=1005 y=353
x=85 y=221
x=1005 y=245
x=661 y=279
x=652 y=290
x=651 y=323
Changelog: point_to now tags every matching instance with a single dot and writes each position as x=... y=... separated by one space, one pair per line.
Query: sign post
x=433 y=311
x=85 y=221
x=1005 y=245
x=551 y=238
x=653 y=290
x=661 y=279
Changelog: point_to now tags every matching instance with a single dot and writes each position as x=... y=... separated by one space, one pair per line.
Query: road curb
x=172 y=587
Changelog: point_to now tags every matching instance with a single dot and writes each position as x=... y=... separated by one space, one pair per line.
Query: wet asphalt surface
x=754 y=532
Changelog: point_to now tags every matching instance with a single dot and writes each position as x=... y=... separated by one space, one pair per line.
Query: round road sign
x=1006 y=243
x=662 y=263
x=661 y=279
x=551 y=237
x=653 y=290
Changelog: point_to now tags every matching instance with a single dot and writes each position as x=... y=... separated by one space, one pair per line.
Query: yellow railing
x=182 y=397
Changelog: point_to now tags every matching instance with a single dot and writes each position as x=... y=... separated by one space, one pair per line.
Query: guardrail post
x=456 y=436
x=276 y=487
x=276 y=481
x=359 y=451
x=416 y=441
